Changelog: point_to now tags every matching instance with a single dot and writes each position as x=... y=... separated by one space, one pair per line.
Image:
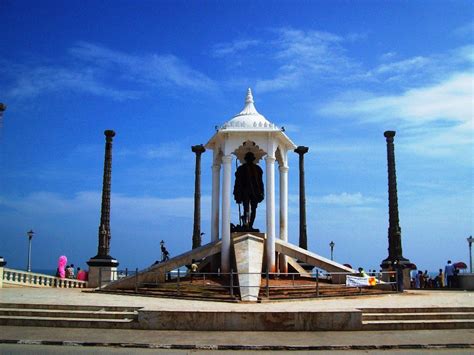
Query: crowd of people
x=447 y=278
x=70 y=273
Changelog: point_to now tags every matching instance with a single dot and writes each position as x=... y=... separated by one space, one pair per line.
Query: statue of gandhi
x=248 y=189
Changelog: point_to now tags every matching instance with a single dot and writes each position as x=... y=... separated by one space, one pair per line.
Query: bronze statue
x=248 y=189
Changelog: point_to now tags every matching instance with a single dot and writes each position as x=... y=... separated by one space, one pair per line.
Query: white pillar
x=283 y=214
x=225 y=231
x=216 y=172
x=270 y=243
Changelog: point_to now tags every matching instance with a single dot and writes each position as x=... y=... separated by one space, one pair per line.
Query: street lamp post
x=331 y=245
x=470 y=240
x=30 y=235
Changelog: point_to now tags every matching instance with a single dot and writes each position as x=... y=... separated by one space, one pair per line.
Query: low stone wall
x=19 y=278
x=250 y=321
x=466 y=281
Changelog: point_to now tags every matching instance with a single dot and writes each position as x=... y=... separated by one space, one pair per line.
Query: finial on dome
x=249 y=108
x=249 y=98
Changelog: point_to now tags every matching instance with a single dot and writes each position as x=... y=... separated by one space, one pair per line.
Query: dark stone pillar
x=198 y=149
x=103 y=257
x=3 y=108
x=303 y=242
x=394 y=230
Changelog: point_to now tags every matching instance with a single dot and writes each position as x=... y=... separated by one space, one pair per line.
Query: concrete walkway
x=78 y=297
x=381 y=340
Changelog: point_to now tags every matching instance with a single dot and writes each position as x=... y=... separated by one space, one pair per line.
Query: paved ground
x=77 y=297
x=210 y=339
x=461 y=340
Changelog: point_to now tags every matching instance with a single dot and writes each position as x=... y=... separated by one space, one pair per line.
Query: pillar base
x=102 y=271
x=386 y=265
x=248 y=250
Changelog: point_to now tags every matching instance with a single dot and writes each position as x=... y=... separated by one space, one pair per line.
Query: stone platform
x=345 y=313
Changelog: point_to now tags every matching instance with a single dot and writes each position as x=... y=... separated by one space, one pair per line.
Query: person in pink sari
x=62 y=266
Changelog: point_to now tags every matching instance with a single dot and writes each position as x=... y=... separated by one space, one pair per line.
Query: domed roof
x=249 y=119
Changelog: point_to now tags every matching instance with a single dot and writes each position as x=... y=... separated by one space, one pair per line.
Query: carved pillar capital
x=269 y=159
x=301 y=150
x=227 y=159
x=283 y=169
x=109 y=134
x=198 y=149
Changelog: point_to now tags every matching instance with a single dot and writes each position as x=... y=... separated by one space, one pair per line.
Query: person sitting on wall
x=362 y=273
x=81 y=274
x=249 y=189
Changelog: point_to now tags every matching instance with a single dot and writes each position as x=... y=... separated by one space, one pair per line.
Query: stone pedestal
x=248 y=250
x=102 y=272
x=406 y=276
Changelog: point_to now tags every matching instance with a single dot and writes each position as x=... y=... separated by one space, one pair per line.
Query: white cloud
x=153 y=69
x=124 y=208
x=232 y=48
x=388 y=55
x=466 y=30
x=101 y=71
x=450 y=100
x=402 y=66
x=166 y=150
x=356 y=36
x=34 y=81
x=437 y=119
x=347 y=199
x=315 y=53
x=344 y=199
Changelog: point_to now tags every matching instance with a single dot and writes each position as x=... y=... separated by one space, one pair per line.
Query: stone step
x=68 y=322
x=417 y=310
x=418 y=324
x=69 y=307
x=182 y=295
x=323 y=292
x=62 y=313
x=418 y=315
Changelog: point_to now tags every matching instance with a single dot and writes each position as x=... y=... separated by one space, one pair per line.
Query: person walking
x=399 y=270
x=449 y=274
x=418 y=279
x=440 y=279
x=426 y=279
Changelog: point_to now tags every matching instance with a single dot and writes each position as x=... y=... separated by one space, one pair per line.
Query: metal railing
x=32 y=279
x=229 y=281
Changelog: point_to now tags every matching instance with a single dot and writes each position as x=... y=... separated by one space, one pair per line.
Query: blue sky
x=162 y=74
